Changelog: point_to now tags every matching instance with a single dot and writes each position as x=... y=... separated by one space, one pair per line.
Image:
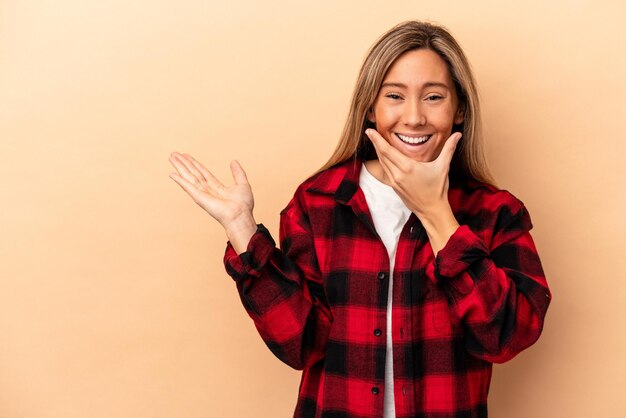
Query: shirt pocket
x=435 y=308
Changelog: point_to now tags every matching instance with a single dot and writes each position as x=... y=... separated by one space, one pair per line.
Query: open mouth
x=413 y=140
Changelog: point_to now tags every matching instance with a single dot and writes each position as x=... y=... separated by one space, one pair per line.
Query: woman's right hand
x=230 y=206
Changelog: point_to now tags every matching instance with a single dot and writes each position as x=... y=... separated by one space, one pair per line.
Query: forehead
x=418 y=66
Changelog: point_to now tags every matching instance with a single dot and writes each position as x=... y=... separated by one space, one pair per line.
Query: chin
x=420 y=158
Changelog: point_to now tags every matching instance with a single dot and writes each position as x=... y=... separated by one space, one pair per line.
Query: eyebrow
x=426 y=85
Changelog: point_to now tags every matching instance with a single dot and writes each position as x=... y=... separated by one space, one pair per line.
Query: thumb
x=239 y=175
x=449 y=147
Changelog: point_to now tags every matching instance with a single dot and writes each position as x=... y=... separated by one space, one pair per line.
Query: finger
x=390 y=169
x=239 y=175
x=185 y=158
x=181 y=166
x=208 y=176
x=447 y=152
x=387 y=167
x=186 y=185
x=381 y=145
x=382 y=159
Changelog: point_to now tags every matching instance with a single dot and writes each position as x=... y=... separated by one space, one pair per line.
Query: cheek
x=385 y=116
x=444 y=120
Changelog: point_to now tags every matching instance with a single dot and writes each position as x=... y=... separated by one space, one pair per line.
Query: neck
x=376 y=170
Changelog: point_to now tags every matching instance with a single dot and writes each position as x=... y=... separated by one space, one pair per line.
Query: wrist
x=239 y=231
x=439 y=224
x=435 y=215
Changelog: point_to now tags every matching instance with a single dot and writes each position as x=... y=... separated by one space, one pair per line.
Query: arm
x=499 y=294
x=282 y=289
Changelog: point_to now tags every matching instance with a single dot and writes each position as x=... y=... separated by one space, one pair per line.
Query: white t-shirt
x=389 y=214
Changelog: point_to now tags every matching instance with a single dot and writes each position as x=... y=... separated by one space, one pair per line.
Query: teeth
x=418 y=140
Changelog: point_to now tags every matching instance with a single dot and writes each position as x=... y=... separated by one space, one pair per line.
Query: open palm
x=223 y=203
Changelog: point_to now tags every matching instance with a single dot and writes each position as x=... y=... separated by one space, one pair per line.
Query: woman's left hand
x=423 y=186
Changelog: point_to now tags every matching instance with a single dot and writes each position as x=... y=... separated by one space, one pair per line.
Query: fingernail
x=367 y=132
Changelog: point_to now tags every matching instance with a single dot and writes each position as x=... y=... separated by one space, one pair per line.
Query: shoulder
x=469 y=192
x=320 y=186
x=487 y=206
x=329 y=180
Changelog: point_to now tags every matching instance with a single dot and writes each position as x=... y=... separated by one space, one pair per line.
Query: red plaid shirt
x=320 y=301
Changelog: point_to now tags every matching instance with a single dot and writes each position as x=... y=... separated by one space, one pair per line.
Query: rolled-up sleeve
x=281 y=289
x=498 y=291
x=251 y=262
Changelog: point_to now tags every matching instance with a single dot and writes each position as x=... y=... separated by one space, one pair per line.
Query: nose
x=413 y=115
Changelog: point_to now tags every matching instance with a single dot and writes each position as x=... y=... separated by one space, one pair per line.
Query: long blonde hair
x=469 y=158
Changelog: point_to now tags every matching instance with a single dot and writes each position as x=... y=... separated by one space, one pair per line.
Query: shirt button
x=404 y=390
x=377 y=332
x=382 y=275
x=375 y=390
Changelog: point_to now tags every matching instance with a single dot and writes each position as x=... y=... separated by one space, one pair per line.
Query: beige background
x=113 y=297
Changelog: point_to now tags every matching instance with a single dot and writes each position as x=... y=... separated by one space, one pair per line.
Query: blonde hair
x=469 y=157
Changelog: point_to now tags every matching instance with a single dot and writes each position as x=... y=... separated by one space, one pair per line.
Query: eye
x=434 y=97
x=393 y=96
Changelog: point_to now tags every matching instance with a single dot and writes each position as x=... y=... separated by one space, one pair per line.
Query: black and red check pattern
x=320 y=301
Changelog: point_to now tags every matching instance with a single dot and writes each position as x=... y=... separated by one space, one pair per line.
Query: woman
x=403 y=273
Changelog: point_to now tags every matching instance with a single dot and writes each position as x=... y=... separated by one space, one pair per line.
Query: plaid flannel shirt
x=320 y=301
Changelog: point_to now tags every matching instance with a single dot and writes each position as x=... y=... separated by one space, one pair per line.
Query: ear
x=460 y=115
x=370 y=115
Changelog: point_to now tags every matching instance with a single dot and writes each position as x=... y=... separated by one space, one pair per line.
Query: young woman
x=404 y=272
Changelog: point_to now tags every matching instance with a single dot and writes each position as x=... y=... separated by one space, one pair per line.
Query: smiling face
x=417 y=105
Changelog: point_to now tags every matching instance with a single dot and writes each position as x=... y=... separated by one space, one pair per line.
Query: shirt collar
x=341 y=181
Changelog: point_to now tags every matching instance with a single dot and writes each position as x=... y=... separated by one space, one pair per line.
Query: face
x=417 y=105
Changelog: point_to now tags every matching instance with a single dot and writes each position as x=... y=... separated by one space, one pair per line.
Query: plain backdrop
x=113 y=297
